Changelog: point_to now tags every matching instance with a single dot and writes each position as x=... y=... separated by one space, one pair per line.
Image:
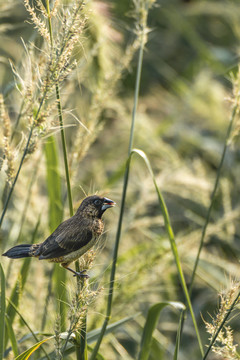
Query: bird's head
x=95 y=206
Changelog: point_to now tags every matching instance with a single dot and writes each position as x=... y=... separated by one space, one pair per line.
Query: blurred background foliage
x=183 y=114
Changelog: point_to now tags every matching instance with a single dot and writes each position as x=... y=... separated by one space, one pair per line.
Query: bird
x=72 y=238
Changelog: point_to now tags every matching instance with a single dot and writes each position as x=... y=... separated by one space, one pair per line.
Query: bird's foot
x=81 y=274
x=77 y=273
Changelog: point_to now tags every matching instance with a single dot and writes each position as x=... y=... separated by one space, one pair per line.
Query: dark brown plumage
x=72 y=238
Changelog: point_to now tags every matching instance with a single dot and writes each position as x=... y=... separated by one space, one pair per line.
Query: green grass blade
x=99 y=356
x=12 y=337
x=150 y=325
x=26 y=354
x=47 y=297
x=2 y=312
x=171 y=239
x=55 y=218
x=17 y=289
x=178 y=337
x=53 y=184
x=15 y=294
x=81 y=344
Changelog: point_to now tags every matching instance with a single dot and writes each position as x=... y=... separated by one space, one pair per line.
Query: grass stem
x=64 y=148
x=22 y=159
x=234 y=111
x=79 y=352
x=221 y=326
x=203 y=234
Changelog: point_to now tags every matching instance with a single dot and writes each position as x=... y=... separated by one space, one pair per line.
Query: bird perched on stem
x=72 y=238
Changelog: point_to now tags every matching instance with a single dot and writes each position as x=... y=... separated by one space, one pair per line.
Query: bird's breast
x=97 y=227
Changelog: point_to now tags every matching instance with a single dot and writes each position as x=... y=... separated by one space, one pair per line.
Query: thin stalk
x=22 y=160
x=233 y=114
x=136 y=93
x=125 y=184
x=221 y=326
x=17 y=174
x=64 y=148
x=234 y=111
x=80 y=342
x=81 y=337
x=17 y=121
x=177 y=260
x=47 y=302
x=66 y=341
x=81 y=346
x=24 y=212
x=113 y=269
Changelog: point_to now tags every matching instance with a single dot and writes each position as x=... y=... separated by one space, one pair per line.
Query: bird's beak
x=107 y=204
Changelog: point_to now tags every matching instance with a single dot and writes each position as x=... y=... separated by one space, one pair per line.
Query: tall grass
x=80 y=75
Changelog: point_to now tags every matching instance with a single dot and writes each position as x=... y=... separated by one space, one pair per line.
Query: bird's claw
x=80 y=274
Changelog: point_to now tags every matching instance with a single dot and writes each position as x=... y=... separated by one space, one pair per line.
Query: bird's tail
x=21 y=251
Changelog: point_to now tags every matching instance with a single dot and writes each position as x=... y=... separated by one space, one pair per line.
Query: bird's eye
x=97 y=202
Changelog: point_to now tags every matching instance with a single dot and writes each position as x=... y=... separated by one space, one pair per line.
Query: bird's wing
x=65 y=239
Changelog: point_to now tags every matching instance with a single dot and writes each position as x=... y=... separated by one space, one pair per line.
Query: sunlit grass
x=179 y=131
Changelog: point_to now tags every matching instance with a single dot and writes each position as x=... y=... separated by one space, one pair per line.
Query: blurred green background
x=183 y=114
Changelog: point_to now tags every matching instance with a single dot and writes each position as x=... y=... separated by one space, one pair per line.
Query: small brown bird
x=72 y=238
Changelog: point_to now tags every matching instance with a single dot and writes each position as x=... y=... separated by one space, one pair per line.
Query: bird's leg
x=76 y=273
